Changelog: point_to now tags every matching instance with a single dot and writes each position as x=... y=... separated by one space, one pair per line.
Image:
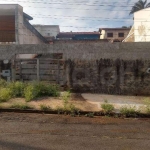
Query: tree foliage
x=139 y=5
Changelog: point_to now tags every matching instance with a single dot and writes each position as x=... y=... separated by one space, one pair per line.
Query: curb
x=87 y=113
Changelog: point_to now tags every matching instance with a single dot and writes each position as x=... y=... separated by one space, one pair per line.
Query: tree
x=139 y=5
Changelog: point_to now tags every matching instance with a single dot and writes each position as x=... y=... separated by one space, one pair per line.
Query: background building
x=114 y=34
x=78 y=36
x=15 y=27
x=48 y=31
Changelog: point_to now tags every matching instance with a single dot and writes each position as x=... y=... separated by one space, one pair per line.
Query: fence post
x=38 y=70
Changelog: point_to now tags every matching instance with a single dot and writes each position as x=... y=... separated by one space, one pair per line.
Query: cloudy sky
x=78 y=15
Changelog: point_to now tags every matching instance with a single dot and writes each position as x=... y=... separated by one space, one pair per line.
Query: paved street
x=53 y=132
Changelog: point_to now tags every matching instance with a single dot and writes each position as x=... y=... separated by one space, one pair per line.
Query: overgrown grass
x=29 y=91
x=129 y=111
x=21 y=106
x=107 y=108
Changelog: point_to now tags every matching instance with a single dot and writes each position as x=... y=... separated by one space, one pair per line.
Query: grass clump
x=129 y=111
x=5 y=94
x=45 y=108
x=107 y=108
x=21 y=106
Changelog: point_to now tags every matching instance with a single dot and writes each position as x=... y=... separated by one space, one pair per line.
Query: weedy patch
x=107 y=108
x=129 y=111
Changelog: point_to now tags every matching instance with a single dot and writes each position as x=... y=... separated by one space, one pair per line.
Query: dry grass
x=52 y=102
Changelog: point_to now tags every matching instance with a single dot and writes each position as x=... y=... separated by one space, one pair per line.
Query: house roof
x=72 y=34
x=115 y=28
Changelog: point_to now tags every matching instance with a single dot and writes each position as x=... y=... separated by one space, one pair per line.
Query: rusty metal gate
x=51 y=70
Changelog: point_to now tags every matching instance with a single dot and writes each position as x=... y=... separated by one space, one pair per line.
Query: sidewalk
x=117 y=100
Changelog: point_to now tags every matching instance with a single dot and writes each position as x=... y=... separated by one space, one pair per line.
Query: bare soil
x=53 y=102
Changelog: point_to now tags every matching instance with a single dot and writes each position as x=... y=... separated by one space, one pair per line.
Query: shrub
x=5 y=94
x=129 y=111
x=52 y=90
x=107 y=108
x=17 y=88
x=30 y=92
x=3 y=83
x=21 y=106
x=45 y=108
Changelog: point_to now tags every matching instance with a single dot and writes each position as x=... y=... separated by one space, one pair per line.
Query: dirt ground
x=77 y=100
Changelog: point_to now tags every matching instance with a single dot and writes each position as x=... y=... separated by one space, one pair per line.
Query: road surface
x=20 y=131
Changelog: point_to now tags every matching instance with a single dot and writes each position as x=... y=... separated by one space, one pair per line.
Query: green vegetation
x=29 y=91
x=107 y=108
x=5 y=94
x=17 y=88
x=129 y=111
x=21 y=106
x=66 y=97
x=45 y=107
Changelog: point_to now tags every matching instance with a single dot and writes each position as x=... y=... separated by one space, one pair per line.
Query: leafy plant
x=17 y=88
x=3 y=83
x=5 y=94
x=107 y=108
x=129 y=111
x=66 y=96
x=45 y=108
x=30 y=92
x=21 y=106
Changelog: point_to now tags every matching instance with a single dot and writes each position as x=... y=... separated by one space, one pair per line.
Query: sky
x=78 y=15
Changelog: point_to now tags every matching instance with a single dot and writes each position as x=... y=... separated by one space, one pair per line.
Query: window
x=48 y=34
x=109 y=34
x=120 y=34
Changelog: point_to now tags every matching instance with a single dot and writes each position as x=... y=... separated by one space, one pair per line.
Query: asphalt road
x=55 y=132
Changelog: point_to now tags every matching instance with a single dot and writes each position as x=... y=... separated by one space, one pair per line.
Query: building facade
x=48 y=31
x=114 y=34
x=15 y=27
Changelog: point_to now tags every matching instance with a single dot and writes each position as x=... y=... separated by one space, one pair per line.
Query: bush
x=3 y=83
x=129 y=111
x=17 y=88
x=21 y=106
x=30 y=92
x=45 y=108
x=5 y=94
x=44 y=89
x=107 y=108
